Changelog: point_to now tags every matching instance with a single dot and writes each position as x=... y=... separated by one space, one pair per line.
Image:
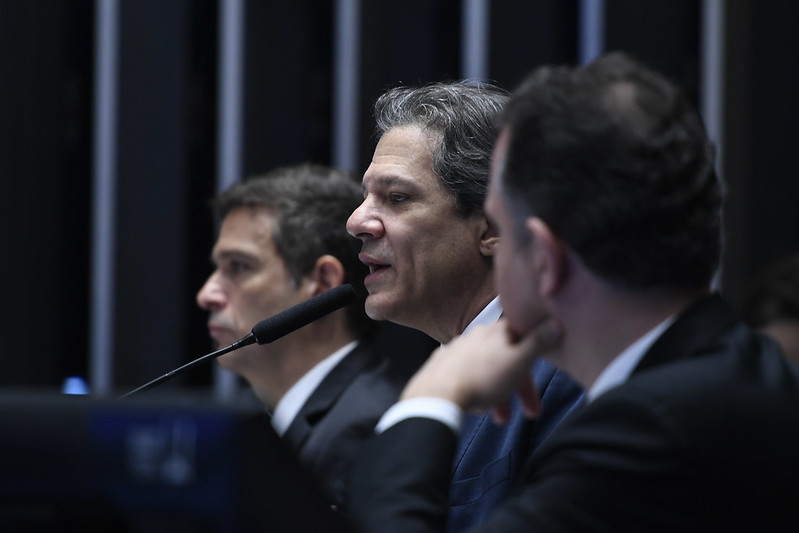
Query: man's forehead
x=404 y=144
x=247 y=223
x=408 y=173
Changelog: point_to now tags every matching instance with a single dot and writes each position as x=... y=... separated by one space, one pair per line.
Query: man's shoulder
x=362 y=386
x=707 y=398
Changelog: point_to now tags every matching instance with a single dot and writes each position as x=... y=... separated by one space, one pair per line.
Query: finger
x=529 y=397
x=500 y=413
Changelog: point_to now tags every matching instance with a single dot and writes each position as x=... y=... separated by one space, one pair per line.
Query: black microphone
x=272 y=328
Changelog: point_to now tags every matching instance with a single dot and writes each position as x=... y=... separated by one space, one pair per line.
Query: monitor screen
x=150 y=463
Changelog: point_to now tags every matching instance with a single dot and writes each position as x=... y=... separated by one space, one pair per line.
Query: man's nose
x=364 y=223
x=211 y=296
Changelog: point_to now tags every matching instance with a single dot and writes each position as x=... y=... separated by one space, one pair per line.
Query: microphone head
x=302 y=314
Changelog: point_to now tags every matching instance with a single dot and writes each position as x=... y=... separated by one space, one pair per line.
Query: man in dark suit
x=429 y=248
x=283 y=240
x=604 y=193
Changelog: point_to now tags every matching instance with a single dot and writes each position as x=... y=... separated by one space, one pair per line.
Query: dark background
x=166 y=147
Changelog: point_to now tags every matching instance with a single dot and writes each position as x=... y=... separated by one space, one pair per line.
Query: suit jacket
x=702 y=437
x=329 y=430
x=490 y=458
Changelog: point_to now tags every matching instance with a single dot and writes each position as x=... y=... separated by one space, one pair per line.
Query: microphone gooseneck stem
x=244 y=341
x=273 y=328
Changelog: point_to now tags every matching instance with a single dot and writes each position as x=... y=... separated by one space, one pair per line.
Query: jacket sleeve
x=401 y=483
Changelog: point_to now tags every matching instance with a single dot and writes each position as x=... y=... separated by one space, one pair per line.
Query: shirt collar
x=291 y=402
x=488 y=315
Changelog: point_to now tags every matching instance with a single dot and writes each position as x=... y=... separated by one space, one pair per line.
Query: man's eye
x=236 y=267
x=397 y=197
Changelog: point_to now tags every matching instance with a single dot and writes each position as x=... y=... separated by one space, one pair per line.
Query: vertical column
x=712 y=85
x=346 y=79
x=475 y=20
x=712 y=74
x=103 y=221
x=591 y=30
x=229 y=108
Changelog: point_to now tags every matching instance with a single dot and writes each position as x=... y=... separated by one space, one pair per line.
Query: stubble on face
x=426 y=257
x=250 y=272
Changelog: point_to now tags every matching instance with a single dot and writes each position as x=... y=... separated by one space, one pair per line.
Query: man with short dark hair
x=604 y=194
x=282 y=241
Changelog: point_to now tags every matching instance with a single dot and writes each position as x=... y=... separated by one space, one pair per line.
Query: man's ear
x=488 y=238
x=328 y=272
x=548 y=256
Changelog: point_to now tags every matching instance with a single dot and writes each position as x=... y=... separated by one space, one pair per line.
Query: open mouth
x=375 y=267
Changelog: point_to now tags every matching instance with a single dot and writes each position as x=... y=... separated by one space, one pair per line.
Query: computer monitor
x=150 y=463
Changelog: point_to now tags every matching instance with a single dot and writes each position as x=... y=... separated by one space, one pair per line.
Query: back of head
x=616 y=161
x=311 y=204
x=463 y=117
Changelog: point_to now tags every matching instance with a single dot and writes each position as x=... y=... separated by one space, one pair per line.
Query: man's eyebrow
x=229 y=254
x=389 y=181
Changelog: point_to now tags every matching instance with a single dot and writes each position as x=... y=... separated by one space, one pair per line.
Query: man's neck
x=587 y=318
x=278 y=369
x=461 y=314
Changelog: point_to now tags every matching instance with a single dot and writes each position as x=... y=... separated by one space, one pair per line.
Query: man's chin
x=373 y=308
x=378 y=307
x=395 y=314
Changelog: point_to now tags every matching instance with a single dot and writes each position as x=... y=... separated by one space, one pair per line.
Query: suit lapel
x=471 y=426
x=324 y=397
x=297 y=433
